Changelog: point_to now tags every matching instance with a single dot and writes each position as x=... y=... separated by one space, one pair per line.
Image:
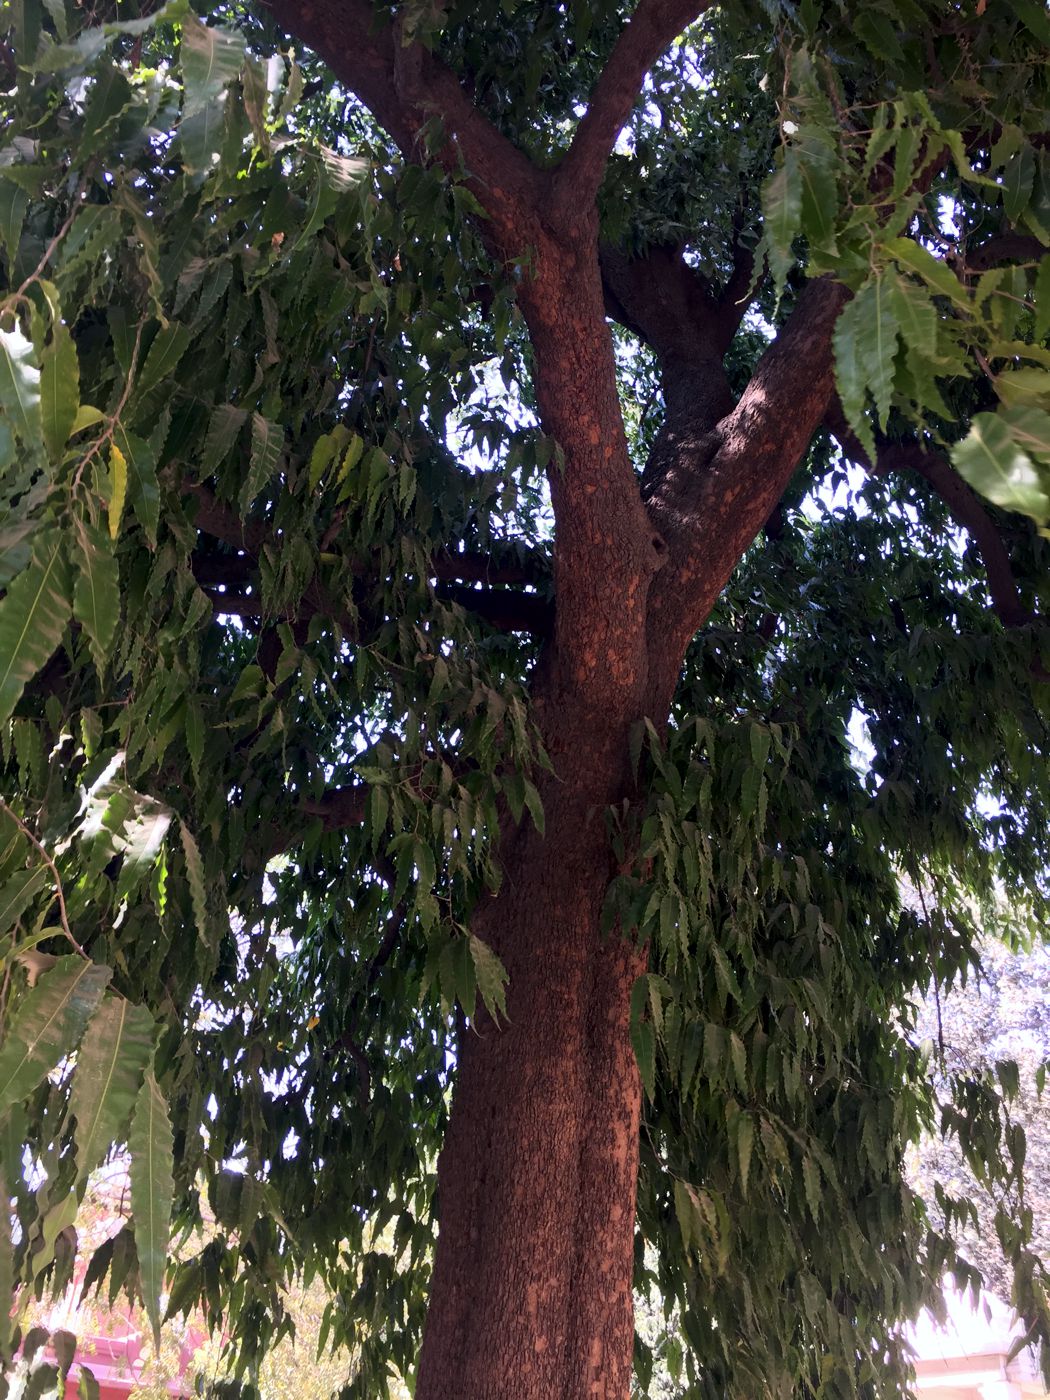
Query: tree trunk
x=531 y=1294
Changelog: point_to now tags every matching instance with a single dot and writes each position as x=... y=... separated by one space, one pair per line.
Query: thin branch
x=652 y=27
x=967 y=510
x=506 y=611
x=338 y=808
x=963 y=504
x=503 y=610
x=1002 y=247
x=405 y=87
x=46 y=858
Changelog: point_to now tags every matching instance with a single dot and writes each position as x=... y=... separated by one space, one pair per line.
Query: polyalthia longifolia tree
x=467 y=469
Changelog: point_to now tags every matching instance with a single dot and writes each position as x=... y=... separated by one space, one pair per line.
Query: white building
x=967 y=1357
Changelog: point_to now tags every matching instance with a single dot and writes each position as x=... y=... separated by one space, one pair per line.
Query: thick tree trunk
x=531 y=1294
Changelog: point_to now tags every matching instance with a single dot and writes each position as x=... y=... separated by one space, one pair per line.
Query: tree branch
x=652 y=27
x=963 y=504
x=967 y=510
x=505 y=611
x=711 y=500
x=338 y=808
x=508 y=612
x=1002 y=247
x=404 y=86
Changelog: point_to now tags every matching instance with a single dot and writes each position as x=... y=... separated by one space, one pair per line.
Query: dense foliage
x=276 y=561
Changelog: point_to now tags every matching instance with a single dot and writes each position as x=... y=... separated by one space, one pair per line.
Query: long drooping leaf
x=20 y=386
x=33 y=617
x=118 y=489
x=225 y=423
x=782 y=217
x=491 y=978
x=7 y=1275
x=211 y=60
x=96 y=598
x=18 y=892
x=267 y=440
x=995 y=463
x=48 y=1024
x=143 y=488
x=59 y=388
x=195 y=879
x=112 y=1060
x=141 y=841
x=865 y=345
x=13 y=205
x=152 y=1191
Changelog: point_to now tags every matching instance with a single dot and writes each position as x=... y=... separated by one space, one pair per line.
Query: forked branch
x=652 y=27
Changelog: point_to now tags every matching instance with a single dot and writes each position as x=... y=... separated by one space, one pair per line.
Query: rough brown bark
x=531 y=1294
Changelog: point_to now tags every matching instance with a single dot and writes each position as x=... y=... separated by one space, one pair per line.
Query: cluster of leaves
x=990 y=1033
x=209 y=316
x=784 y=1058
x=903 y=199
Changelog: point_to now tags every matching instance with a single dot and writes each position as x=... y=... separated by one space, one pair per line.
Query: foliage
x=991 y=1033
x=276 y=560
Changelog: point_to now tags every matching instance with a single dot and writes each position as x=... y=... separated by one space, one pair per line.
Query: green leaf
x=1030 y=428
x=201 y=135
x=683 y=1208
x=994 y=463
x=152 y=1192
x=916 y=315
x=110 y=95
x=224 y=425
x=96 y=595
x=865 y=343
x=59 y=388
x=142 y=485
x=940 y=279
x=110 y=1064
x=267 y=441
x=818 y=175
x=491 y=977
x=33 y=617
x=1018 y=178
x=255 y=98
x=849 y=377
x=1023 y=386
x=535 y=805
x=811 y=1182
x=17 y=893
x=643 y=1040
x=782 y=217
x=141 y=842
x=13 y=205
x=20 y=386
x=8 y=1276
x=195 y=880
x=745 y=1140
x=211 y=61
x=167 y=349
x=48 y=1025
x=118 y=489
x=1041 y=298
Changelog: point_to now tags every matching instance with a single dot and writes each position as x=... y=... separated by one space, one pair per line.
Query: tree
x=437 y=595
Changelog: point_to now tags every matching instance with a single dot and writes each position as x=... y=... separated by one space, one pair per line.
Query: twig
x=45 y=857
x=114 y=418
x=49 y=250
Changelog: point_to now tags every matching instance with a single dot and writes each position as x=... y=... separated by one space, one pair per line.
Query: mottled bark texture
x=531 y=1293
